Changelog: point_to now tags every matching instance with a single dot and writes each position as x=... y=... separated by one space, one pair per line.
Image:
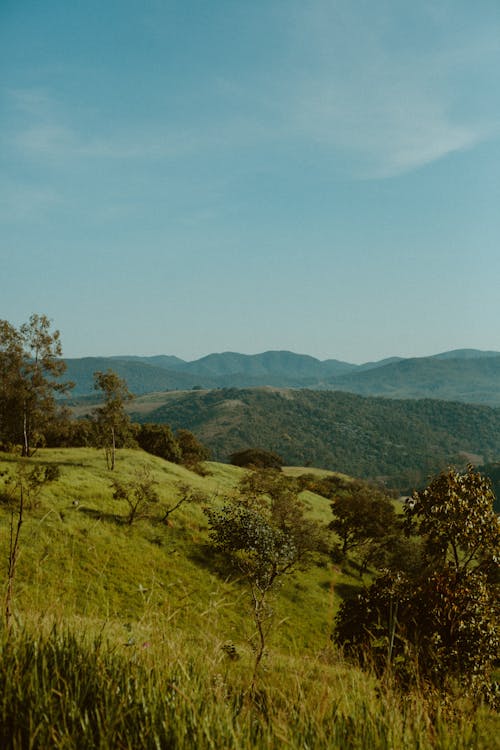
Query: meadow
x=132 y=636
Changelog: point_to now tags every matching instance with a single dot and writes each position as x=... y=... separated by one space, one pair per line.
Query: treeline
x=31 y=377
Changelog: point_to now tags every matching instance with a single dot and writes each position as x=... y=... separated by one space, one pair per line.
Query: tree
x=112 y=421
x=192 y=451
x=454 y=516
x=438 y=622
x=139 y=494
x=30 y=371
x=363 y=517
x=256 y=458
x=265 y=535
x=159 y=440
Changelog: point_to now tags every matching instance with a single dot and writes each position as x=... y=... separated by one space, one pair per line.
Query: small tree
x=112 y=421
x=22 y=488
x=139 y=493
x=266 y=535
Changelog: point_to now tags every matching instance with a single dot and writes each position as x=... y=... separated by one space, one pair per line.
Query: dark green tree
x=111 y=419
x=30 y=372
x=256 y=458
x=364 y=517
x=192 y=451
x=158 y=439
x=437 y=622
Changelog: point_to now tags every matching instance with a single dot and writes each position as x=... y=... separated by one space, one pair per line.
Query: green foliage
x=65 y=690
x=454 y=516
x=256 y=458
x=363 y=516
x=401 y=443
x=439 y=622
x=159 y=441
x=30 y=371
x=192 y=451
x=140 y=494
x=266 y=535
x=112 y=421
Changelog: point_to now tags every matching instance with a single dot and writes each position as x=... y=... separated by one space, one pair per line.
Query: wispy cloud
x=377 y=100
x=387 y=100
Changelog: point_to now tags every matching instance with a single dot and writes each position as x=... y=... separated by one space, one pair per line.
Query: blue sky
x=189 y=177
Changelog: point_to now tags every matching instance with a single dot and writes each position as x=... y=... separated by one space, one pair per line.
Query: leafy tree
x=112 y=421
x=139 y=493
x=30 y=371
x=437 y=622
x=158 y=439
x=266 y=535
x=454 y=516
x=257 y=458
x=192 y=451
x=364 y=517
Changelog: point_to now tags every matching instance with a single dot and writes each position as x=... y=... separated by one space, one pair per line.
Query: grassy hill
x=402 y=441
x=131 y=636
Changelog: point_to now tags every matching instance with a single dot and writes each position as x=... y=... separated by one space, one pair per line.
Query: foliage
x=30 y=371
x=401 y=443
x=363 y=517
x=266 y=535
x=454 y=516
x=159 y=441
x=192 y=451
x=67 y=689
x=439 y=623
x=256 y=458
x=139 y=493
x=112 y=421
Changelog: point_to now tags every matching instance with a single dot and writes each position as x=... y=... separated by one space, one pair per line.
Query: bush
x=256 y=458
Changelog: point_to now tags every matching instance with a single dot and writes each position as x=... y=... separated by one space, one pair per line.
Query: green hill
x=133 y=636
x=467 y=378
x=401 y=441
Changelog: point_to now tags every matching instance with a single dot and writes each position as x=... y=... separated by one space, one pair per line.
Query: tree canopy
x=30 y=372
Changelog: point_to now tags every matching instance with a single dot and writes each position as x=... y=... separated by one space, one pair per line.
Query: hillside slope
x=460 y=378
x=401 y=441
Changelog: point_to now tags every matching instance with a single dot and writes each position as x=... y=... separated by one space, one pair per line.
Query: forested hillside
x=400 y=441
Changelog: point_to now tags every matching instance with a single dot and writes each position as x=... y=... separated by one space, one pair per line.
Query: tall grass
x=127 y=637
x=62 y=691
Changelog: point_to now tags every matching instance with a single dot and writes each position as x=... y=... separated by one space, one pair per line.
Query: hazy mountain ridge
x=467 y=375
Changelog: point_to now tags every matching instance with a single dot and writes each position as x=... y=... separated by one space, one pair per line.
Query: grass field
x=131 y=636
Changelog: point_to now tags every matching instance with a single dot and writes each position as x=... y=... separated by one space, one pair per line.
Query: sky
x=196 y=176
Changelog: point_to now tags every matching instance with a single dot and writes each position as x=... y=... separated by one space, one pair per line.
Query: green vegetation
x=30 y=371
x=153 y=640
x=399 y=442
x=438 y=626
x=177 y=602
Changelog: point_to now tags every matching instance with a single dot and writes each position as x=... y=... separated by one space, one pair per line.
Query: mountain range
x=466 y=375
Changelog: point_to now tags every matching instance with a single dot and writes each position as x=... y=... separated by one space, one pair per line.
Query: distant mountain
x=167 y=361
x=276 y=364
x=402 y=442
x=141 y=378
x=468 y=375
x=471 y=379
